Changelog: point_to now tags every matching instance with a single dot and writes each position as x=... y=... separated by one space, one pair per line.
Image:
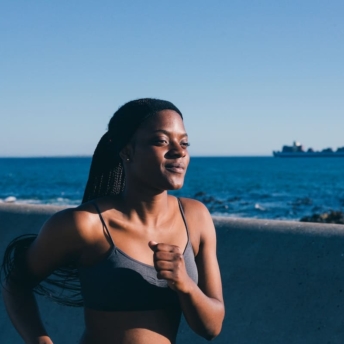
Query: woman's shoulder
x=65 y=235
x=199 y=221
x=193 y=207
x=73 y=223
x=197 y=215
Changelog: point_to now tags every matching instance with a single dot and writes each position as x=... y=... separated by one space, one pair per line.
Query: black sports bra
x=121 y=283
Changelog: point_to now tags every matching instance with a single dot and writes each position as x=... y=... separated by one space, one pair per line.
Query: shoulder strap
x=103 y=222
x=183 y=216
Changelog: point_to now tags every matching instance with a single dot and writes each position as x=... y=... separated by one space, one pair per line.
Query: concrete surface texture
x=283 y=281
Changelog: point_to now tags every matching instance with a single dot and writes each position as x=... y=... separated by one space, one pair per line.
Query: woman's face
x=158 y=152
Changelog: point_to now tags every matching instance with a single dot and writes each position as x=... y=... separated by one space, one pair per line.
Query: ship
x=297 y=151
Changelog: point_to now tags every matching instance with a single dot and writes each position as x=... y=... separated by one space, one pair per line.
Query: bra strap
x=103 y=222
x=183 y=216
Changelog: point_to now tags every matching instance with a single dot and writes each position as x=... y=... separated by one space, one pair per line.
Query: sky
x=248 y=76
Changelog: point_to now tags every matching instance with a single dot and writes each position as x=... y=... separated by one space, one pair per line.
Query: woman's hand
x=170 y=265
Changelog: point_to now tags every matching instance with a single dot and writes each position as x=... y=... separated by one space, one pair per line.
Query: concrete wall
x=283 y=281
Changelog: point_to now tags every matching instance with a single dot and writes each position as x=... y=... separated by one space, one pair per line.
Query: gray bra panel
x=121 y=283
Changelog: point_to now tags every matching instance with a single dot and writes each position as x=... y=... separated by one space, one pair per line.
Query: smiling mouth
x=175 y=168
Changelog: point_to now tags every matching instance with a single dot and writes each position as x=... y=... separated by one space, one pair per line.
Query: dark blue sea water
x=260 y=187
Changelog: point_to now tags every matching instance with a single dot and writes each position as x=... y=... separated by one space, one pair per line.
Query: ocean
x=254 y=187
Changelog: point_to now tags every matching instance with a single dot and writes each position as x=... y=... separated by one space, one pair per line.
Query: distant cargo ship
x=297 y=151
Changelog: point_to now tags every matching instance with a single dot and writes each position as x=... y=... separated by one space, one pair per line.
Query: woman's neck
x=150 y=208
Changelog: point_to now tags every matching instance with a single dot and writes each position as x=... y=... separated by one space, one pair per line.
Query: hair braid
x=106 y=172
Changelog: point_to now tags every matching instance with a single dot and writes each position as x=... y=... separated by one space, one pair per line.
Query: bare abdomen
x=134 y=327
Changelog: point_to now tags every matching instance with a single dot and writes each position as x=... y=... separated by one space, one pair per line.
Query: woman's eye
x=185 y=144
x=160 y=142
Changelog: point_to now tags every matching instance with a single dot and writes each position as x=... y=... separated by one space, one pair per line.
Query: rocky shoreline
x=333 y=216
x=216 y=205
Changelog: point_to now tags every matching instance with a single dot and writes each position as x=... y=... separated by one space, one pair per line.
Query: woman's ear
x=126 y=153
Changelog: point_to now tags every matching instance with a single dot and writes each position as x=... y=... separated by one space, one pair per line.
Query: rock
x=233 y=199
x=209 y=199
x=199 y=194
x=213 y=204
x=330 y=217
x=302 y=201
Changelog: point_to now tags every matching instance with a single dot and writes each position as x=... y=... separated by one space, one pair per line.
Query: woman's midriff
x=134 y=327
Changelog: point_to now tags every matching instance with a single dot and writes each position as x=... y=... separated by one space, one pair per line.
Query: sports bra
x=121 y=283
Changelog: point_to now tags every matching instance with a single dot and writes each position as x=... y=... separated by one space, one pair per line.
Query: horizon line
x=90 y=156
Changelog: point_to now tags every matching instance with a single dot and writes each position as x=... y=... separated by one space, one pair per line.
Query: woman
x=143 y=256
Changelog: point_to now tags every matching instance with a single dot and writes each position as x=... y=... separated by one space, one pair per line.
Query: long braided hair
x=106 y=177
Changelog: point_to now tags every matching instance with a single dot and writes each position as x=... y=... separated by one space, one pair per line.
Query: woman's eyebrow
x=169 y=132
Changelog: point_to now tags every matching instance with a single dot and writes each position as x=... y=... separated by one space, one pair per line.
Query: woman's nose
x=177 y=150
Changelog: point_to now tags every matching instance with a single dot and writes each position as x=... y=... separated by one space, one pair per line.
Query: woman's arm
x=202 y=304
x=22 y=309
x=57 y=243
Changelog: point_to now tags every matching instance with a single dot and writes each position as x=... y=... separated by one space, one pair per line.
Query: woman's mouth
x=175 y=167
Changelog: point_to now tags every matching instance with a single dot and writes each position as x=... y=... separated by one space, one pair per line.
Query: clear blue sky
x=249 y=76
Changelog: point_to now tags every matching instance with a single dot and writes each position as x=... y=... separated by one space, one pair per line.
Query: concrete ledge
x=283 y=281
